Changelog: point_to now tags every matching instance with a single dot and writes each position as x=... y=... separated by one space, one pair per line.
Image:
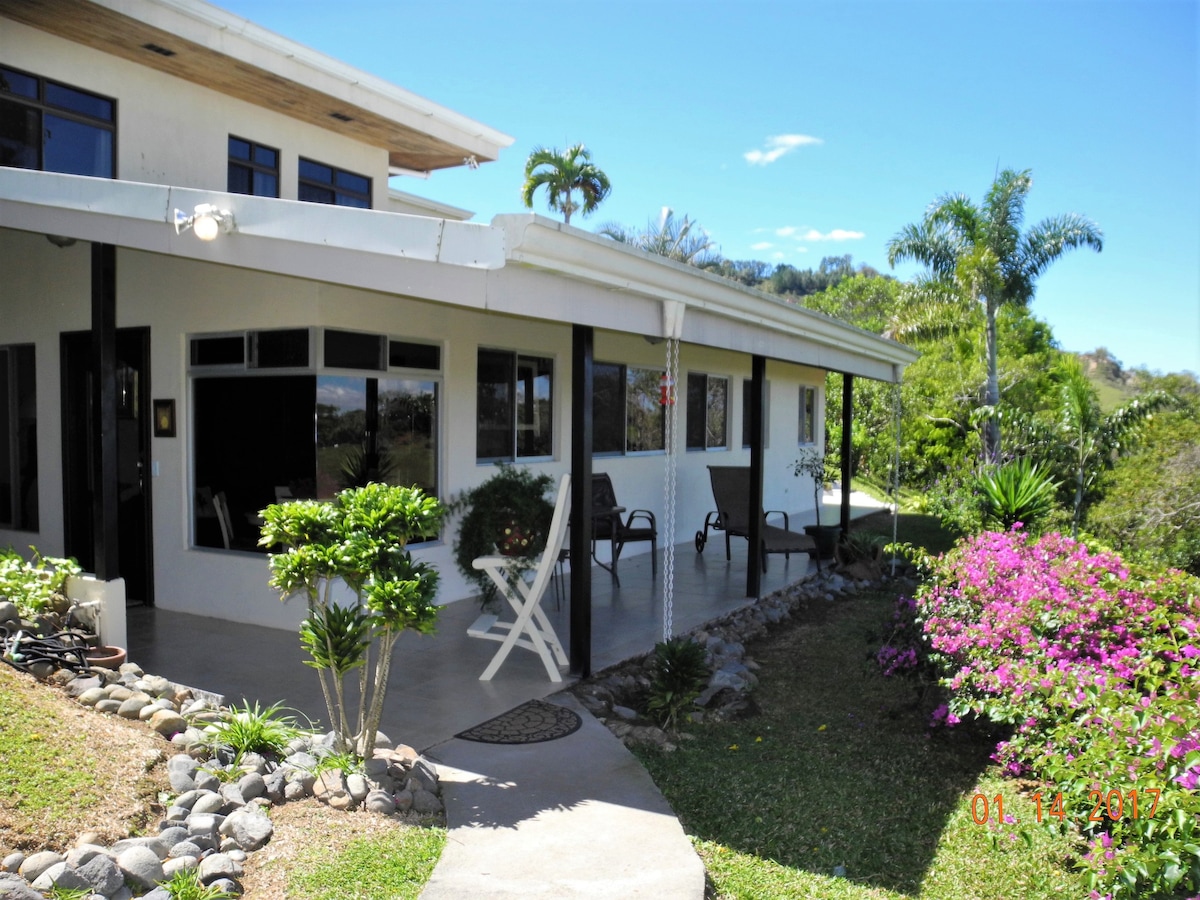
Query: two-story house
x=211 y=296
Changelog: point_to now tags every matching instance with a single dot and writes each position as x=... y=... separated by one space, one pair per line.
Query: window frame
x=513 y=425
x=337 y=191
x=707 y=447
x=807 y=416
x=44 y=105
x=624 y=371
x=253 y=166
x=317 y=370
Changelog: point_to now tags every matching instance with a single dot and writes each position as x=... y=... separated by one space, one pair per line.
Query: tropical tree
x=563 y=175
x=682 y=240
x=981 y=251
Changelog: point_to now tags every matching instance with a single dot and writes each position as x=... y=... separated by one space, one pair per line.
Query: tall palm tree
x=981 y=250
x=563 y=174
x=682 y=240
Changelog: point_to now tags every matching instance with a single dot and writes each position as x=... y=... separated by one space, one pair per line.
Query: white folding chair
x=531 y=629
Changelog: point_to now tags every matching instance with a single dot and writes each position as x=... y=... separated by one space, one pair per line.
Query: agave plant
x=680 y=674
x=1018 y=491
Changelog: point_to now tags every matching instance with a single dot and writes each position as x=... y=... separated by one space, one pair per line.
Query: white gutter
x=543 y=243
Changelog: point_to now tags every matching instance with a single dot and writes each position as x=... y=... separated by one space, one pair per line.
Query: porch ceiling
x=217 y=50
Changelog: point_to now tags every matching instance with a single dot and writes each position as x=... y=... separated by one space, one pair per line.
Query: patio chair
x=531 y=629
x=607 y=524
x=731 y=491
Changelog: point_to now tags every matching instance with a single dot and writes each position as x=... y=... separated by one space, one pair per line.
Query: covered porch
x=434 y=689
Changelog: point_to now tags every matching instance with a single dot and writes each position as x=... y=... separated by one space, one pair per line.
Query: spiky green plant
x=1018 y=491
x=252 y=729
x=680 y=674
x=186 y=885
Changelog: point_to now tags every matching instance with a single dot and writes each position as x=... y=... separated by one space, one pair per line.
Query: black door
x=135 y=557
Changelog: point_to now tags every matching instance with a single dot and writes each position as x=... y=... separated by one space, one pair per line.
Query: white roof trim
x=223 y=32
x=536 y=241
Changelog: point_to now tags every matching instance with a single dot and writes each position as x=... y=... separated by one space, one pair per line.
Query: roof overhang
x=707 y=308
x=213 y=48
x=501 y=267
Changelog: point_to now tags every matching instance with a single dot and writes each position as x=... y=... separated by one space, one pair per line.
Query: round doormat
x=529 y=723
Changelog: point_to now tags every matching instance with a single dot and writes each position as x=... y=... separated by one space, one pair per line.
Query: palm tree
x=563 y=174
x=982 y=252
x=682 y=240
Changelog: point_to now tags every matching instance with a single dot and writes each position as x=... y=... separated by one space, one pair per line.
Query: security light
x=206 y=221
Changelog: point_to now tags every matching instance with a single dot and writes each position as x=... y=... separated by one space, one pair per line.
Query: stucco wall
x=171 y=131
x=49 y=292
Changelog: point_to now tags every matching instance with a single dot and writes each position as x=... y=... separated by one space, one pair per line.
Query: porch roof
x=200 y=43
x=501 y=267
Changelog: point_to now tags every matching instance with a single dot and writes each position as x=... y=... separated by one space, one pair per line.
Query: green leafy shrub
x=680 y=672
x=513 y=496
x=1094 y=664
x=36 y=585
x=356 y=541
x=1017 y=492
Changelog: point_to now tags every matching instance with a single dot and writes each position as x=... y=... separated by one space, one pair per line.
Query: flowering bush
x=1095 y=665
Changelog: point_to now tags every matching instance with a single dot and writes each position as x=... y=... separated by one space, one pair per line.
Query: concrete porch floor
x=434 y=691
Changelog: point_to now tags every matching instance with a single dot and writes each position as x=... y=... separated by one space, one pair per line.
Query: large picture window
x=53 y=127
x=254 y=438
x=514 y=403
x=18 y=439
x=808 y=414
x=707 y=411
x=627 y=412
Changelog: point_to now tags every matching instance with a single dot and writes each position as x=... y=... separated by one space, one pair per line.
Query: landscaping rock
x=380 y=802
x=33 y=866
x=217 y=866
x=14 y=887
x=142 y=867
x=12 y=862
x=249 y=829
x=60 y=876
x=167 y=722
x=103 y=874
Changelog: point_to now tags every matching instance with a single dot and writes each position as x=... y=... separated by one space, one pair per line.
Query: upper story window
x=514 y=406
x=808 y=415
x=253 y=168
x=320 y=183
x=707 y=408
x=627 y=411
x=55 y=128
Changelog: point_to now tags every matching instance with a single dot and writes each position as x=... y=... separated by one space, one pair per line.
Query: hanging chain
x=670 y=410
x=896 y=474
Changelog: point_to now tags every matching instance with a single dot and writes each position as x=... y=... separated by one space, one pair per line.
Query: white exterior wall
x=171 y=131
x=177 y=298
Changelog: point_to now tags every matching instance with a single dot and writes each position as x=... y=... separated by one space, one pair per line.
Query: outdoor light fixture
x=206 y=221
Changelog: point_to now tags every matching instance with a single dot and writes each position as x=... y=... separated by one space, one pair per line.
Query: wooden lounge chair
x=731 y=491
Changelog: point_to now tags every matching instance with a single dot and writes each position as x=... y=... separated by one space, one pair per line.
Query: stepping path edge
x=577 y=817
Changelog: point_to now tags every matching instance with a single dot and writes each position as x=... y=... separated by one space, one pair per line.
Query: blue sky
x=795 y=130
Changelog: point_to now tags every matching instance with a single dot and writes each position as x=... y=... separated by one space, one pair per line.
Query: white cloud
x=777 y=146
x=762 y=245
x=811 y=234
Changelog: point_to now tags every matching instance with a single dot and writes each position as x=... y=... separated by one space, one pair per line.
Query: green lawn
x=838 y=789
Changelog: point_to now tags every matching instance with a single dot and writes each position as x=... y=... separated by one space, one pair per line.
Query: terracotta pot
x=106 y=657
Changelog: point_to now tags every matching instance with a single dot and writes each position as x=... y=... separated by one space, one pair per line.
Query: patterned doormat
x=529 y=723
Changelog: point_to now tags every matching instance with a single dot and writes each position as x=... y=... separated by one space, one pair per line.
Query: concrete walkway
x=576 y=817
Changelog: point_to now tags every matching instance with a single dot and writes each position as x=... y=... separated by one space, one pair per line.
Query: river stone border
x=613 y=695
x=215 y=810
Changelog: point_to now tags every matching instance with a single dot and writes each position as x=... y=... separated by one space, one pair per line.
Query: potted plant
x=812 y=464
x=509 y=513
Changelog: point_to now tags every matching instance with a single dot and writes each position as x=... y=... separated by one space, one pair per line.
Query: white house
x=147 y=375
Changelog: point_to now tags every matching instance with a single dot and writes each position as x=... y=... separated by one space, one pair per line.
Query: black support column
x=847 y=423
x=581 y=500
x=754 y=557
x=104 y=410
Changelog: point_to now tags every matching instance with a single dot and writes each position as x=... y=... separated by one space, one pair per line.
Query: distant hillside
x=1114 y=384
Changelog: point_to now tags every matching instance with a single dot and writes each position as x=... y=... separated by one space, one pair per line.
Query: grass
x=913 y=528
x=838 y=789
x=110 y=783
x=369 y=868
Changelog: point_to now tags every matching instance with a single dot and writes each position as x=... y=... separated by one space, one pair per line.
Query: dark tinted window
x=405 y=355
x=253 y=168
x=219 y=351
x=353 y=350
x=282 y=349
x=320 y=183
x=55 y=128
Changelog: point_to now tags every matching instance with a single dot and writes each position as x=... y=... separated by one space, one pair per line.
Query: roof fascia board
x=537 y=241
x=240 y=39
x=284 y=236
